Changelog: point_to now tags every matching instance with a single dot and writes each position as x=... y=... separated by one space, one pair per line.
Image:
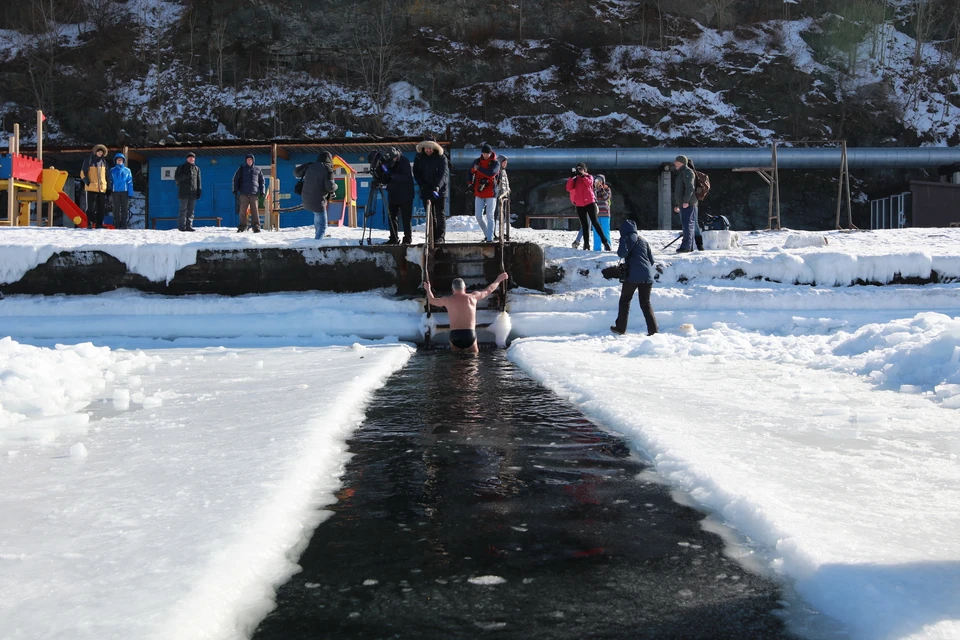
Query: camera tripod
x=376 y=193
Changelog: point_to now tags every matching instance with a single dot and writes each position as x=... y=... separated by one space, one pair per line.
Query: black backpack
x=299 y=172
x=717 y=223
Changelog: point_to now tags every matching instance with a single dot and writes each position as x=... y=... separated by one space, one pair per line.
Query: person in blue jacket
x=248 y=187
x=122 y=180
x=638 y=257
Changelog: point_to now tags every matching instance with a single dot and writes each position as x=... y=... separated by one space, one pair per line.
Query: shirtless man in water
x=462 y=309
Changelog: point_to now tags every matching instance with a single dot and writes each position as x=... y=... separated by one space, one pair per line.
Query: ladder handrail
x=428 y=250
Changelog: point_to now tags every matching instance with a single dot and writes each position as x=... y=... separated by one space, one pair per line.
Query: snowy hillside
x=643 y=78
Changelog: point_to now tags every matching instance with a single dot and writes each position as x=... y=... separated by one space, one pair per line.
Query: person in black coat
x=638 y=257
x=318 y=185
x=187 y=177
x=396 y=173
x=431 y=172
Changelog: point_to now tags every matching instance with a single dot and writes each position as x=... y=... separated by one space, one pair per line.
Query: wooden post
x=274 y=208
x=12 y=190
x=40 y=158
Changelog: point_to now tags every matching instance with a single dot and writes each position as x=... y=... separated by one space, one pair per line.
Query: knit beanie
x=682 y=159
x=486 y=149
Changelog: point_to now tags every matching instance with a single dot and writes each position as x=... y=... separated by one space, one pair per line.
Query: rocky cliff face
x=510 y=72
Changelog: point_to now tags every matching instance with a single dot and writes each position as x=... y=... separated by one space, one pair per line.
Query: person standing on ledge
x=187 y=177
x=685 y=203
x=580 y=187
x=248 y=187
x=462 y=309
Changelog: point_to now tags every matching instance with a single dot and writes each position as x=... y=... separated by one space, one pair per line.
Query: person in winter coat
x=96 y=179
x=431 y=172
x=483 y=180
x=503 y=191
x=685 y=202
x=318 y=185
x=580 y=187
x=248 y=187
x=397 y=174
x=604 y=195
x=187 y=177
x=638 y=256
x=121 y=178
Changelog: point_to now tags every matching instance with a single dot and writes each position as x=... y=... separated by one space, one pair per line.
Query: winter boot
x=699 y=242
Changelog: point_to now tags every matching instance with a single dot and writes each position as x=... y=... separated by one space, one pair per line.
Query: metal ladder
x=444 y=264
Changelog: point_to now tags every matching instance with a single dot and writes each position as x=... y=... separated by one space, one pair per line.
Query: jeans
x=688 y=225
x=185 y=215
x=588 y=216
x=643 y=293
x=320 y=223
x=490 y=204
x=121 y=209
x=245 y=201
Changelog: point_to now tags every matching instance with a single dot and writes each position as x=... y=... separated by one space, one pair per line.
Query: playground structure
x=29 y=186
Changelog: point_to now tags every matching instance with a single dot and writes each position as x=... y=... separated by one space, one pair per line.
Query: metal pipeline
x=718 y=158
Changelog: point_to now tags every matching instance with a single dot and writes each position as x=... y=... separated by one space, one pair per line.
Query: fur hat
x=431 y=144
x=100 y=147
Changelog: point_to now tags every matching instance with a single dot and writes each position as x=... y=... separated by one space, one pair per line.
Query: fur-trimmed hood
x=99 y=147
x=431 y=144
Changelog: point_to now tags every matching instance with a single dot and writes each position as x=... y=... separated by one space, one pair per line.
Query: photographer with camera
x=580 y=187
x=483 y=183
x=637 y=273
x=393 y=170
x=431 y=172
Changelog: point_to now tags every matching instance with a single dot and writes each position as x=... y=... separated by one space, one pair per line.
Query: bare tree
x=219 y=42
x=43 y=50
x=720 y=8
x=377 y=57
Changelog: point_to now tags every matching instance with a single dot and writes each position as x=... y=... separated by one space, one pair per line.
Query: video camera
x=377 y=159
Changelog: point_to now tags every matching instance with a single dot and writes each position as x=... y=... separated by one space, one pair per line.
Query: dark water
x=466 y=468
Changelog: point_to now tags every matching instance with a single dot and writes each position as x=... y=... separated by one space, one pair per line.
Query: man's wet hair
x=459 y=284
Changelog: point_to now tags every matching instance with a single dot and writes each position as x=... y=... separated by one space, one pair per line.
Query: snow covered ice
x=173 y=520
x=155 y=440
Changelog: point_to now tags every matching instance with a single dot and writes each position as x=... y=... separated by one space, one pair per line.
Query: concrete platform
x=241 y=271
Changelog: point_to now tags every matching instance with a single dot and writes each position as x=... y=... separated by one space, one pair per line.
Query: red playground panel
x=26 y=168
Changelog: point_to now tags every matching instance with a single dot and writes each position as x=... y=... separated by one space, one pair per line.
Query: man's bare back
x=462 y=309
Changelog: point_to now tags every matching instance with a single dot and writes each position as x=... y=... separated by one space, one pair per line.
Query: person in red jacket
x=483 y=179
x=580 y=186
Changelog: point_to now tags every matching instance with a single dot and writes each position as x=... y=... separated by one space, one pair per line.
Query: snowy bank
x=852 y=498
x=831 y=258
x=177 y=518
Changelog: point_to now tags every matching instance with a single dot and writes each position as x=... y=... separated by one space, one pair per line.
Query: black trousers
x=590 y=212
x=400 y=211
x=439 y=221
x=96 y=209
x=643 y=293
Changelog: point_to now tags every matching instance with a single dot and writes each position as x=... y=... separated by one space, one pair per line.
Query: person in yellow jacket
x=96 y=180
